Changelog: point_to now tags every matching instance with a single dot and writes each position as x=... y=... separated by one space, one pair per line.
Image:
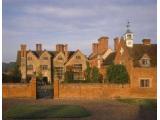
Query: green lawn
x=43 y=111
x=146 y=103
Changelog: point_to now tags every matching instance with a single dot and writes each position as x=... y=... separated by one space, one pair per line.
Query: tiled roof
x=92 y=55
x=138 y=50
x=37 y=54
x=110 y=59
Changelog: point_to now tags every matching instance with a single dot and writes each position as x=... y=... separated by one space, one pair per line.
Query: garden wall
x=101 y=91
x=19 y=90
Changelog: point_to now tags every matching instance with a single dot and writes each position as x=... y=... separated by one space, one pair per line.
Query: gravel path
x=100 y=109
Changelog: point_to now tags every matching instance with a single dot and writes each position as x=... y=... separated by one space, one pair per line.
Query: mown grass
x=41 y=111
x=146 y=103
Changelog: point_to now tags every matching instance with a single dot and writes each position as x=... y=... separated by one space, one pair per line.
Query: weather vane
x=128 y=24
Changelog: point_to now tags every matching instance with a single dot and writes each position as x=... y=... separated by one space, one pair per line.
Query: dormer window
x=145 y=61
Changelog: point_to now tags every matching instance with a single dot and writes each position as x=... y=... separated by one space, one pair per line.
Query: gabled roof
x=138 y=50
x=38 y=54
x=72 y=54
x=93 y=55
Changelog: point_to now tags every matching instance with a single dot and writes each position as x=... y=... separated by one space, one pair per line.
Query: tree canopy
x=117 y=74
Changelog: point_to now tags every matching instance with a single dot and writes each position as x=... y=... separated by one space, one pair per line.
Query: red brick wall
x=140 y=73
x=103 y=91
x=19 y=90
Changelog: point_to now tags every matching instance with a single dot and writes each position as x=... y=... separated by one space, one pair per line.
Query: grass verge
x=41 y=111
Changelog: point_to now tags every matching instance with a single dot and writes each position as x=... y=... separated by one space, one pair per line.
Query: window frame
x=78 y=67
x=59 y=72
x=149 y=84
x=78 y=57
x=29 y=67
x=29 y=58
x=44 y=67
x=45 y=58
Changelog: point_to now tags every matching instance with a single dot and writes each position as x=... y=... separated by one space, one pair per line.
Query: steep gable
x=32 y=55
x=45 y=54
x=78 y=56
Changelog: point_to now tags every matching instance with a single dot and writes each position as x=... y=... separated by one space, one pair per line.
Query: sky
x=77 y=23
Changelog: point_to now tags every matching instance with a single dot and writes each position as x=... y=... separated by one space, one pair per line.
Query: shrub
x=117 y=74
x=95 y=74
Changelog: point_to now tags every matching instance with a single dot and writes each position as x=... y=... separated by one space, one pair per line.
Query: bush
x=88 y=72
x=95 y=75
x=117 y=74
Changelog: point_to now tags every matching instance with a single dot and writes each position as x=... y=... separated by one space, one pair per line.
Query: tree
x=13 y=75
x=95 y=74
x=16 y=73
x=117 y=74
x=88 y=72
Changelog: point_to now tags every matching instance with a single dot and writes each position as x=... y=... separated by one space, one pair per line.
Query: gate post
x=56 y=88
x=33 y=87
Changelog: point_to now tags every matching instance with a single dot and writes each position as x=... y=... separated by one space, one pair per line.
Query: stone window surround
x=44 y=67
x=78 y=57
x=45 y=58
x=29 y=58
x=59 y=71
x=145 y=61
x=145 y=78
x=30 y=67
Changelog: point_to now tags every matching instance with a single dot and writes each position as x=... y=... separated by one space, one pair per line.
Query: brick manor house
x=140 y=60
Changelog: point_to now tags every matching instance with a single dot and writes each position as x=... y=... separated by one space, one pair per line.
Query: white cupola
x=128 y=36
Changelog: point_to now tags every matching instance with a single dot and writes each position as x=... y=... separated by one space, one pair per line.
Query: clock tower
x=128 y=36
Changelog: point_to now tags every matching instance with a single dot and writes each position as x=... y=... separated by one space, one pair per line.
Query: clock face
x=128 y=36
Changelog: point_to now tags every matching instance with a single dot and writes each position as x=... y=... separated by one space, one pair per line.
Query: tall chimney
x=60 y=48
x=102 y=44
x=66 y=51
x=66 y=47
x=23 y=50
x=146 y=41
x=38 y=47
x=95 y=48
x=116 y=43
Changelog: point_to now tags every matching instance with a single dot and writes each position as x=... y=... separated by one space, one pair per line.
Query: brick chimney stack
x=60 y=48
x=23 y=50
x=38 y=47
x=95 y=48
x=116 y=43
x=66 y=50
x=102 y=44
x=146 y=41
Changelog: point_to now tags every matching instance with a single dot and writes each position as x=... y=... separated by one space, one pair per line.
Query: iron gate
x=44 y=90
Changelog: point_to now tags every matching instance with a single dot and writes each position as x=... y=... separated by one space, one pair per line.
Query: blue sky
x=78 y=23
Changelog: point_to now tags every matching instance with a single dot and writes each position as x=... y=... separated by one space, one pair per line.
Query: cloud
x=74 y=22
x=58 y=11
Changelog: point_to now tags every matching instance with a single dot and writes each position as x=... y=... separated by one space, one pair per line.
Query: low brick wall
x=103 y=91
x=19 y=90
